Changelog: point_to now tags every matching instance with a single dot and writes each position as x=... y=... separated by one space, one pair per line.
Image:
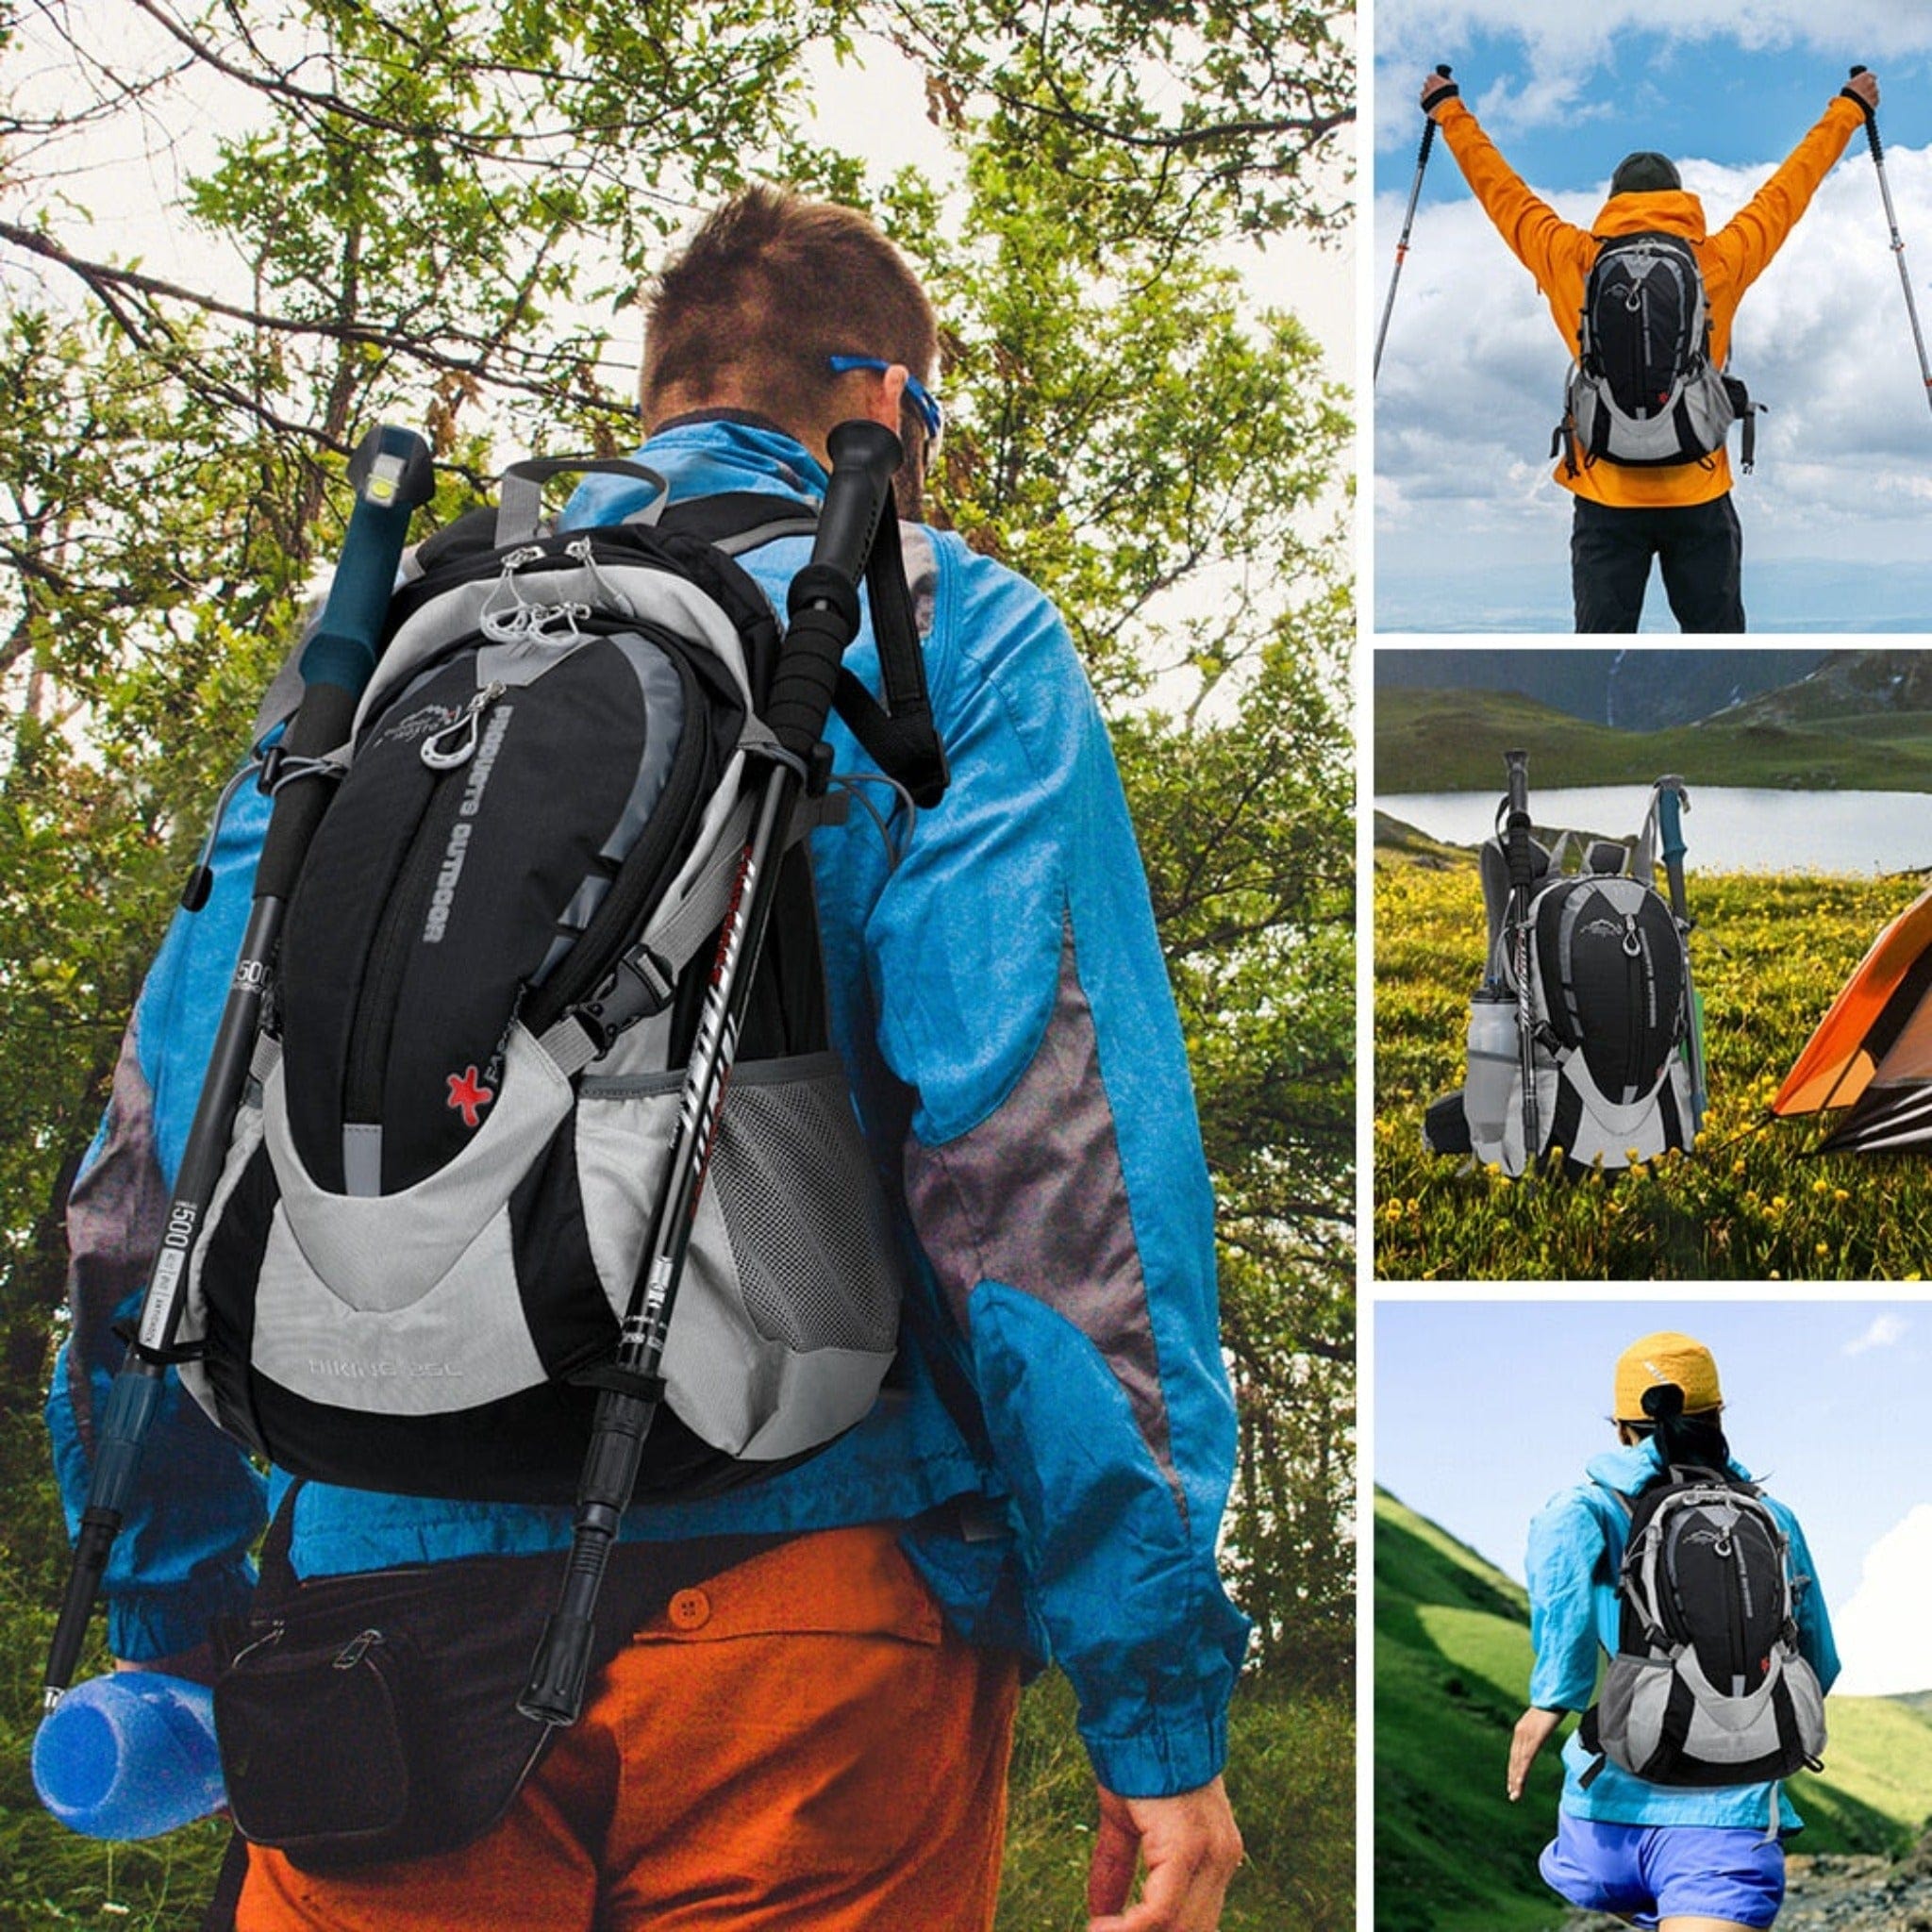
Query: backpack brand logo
x=338 y=1369
x=458 y=850
x=468 y=1095
x=422 y=724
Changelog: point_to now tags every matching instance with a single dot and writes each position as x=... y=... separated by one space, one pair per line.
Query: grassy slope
x=1769 y=952
x=1452 y=740
x=1452 y=1671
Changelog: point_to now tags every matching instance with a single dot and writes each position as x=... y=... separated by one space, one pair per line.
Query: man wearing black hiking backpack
x=808 y=1730
x=1702 y=1592
x=1644 y=300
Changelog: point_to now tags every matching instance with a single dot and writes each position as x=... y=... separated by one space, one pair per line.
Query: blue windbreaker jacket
x=1576 y=1550
x=1005 y=978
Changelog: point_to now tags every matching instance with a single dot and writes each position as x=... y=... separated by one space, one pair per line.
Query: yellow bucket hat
x=1665 y=1357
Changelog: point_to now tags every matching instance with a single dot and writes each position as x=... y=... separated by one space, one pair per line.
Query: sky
x=1483 y=1410
x=1470 y=531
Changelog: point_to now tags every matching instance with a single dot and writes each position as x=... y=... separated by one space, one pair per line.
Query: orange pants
x=800 y=1745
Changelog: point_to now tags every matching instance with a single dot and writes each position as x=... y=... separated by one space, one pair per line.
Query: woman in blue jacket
x=1683 y=1859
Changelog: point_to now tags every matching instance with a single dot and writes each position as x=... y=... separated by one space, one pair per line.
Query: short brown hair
x=767 y=289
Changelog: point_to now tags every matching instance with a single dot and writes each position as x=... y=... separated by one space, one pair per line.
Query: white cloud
x=1885 y=1332
x=1564 y=42
x=1883 y=1633
x=1472 y=375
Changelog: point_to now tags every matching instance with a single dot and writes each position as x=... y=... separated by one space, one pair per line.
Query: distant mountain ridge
x=1815 y=735
x=1636 y=689
x=1845 y=687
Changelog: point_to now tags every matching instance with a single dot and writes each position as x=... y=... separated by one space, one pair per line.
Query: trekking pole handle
x=823 y=597
x=1422 y=159
x=1516 y=827
x=1670 y=825
x=1869 y=112
x=392 y=472
x=823 y=614
x=1517 y=765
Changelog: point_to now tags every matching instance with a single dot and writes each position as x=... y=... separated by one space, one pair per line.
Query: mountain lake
x=1728 y=828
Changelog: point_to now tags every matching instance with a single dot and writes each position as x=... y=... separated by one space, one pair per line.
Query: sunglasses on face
x=925 y=404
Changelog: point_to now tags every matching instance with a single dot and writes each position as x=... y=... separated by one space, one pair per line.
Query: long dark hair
x=1683 y=1442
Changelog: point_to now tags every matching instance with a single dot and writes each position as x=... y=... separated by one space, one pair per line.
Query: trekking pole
x=1516 y=840
x=1415 y=189
x=1672 y=798
x=1898 y=246
x=392 y=472
x=822 y=619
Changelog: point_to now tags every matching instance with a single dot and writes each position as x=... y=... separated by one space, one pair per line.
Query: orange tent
x=1872 y=1052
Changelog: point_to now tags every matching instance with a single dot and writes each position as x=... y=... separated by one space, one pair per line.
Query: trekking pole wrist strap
x=1871 y=114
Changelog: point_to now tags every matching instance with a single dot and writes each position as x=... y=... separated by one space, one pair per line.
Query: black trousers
x=1699 y=545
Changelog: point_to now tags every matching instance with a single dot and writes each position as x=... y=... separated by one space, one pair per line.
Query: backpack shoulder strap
x=900 y=734
x=738 y=520
x=1616 y=1497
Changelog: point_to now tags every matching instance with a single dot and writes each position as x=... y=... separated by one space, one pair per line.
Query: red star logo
x=468 y=1094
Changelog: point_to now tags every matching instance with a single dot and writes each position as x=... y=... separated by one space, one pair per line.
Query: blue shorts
x=1645 y=1873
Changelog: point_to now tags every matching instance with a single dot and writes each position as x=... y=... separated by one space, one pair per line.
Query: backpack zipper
x=395 y=933
x=1633 y=953
x=1727 y=1547
x=634 y=892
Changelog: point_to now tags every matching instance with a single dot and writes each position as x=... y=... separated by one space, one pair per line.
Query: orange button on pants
x=799 y=1745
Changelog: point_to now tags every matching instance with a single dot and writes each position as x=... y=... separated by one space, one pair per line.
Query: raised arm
x=1536 y=235
x=1745 y=246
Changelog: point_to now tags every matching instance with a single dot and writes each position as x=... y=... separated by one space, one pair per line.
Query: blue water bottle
x=129 y=1756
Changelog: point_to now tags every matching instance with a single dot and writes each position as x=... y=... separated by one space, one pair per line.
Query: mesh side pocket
x=816 y=1260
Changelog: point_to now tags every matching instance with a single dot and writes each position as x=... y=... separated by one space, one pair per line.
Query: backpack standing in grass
x=1701 y=1590
x=1644 y=299
x=811 y=1730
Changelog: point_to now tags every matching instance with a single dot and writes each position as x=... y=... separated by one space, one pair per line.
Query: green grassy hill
x=1452 y=1674
x=1454 y=740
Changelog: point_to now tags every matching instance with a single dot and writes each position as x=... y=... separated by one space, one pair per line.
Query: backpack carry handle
x=520 y=490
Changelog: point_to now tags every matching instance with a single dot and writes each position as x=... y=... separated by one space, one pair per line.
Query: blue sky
x=1484 y=1410
x=1470 y=532
x=1569 y=119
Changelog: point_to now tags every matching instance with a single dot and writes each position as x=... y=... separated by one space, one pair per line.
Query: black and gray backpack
x=492 y=967
x=1707 y=1687
x=1605 y=1002
x=1644 y=390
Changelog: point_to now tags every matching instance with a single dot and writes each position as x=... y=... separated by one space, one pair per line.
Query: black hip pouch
x=372 y=1717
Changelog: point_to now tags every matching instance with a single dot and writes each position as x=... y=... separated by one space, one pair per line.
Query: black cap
x=1645 y=173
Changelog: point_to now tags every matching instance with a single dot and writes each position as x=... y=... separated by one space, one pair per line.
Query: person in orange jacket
x=1680 y=513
